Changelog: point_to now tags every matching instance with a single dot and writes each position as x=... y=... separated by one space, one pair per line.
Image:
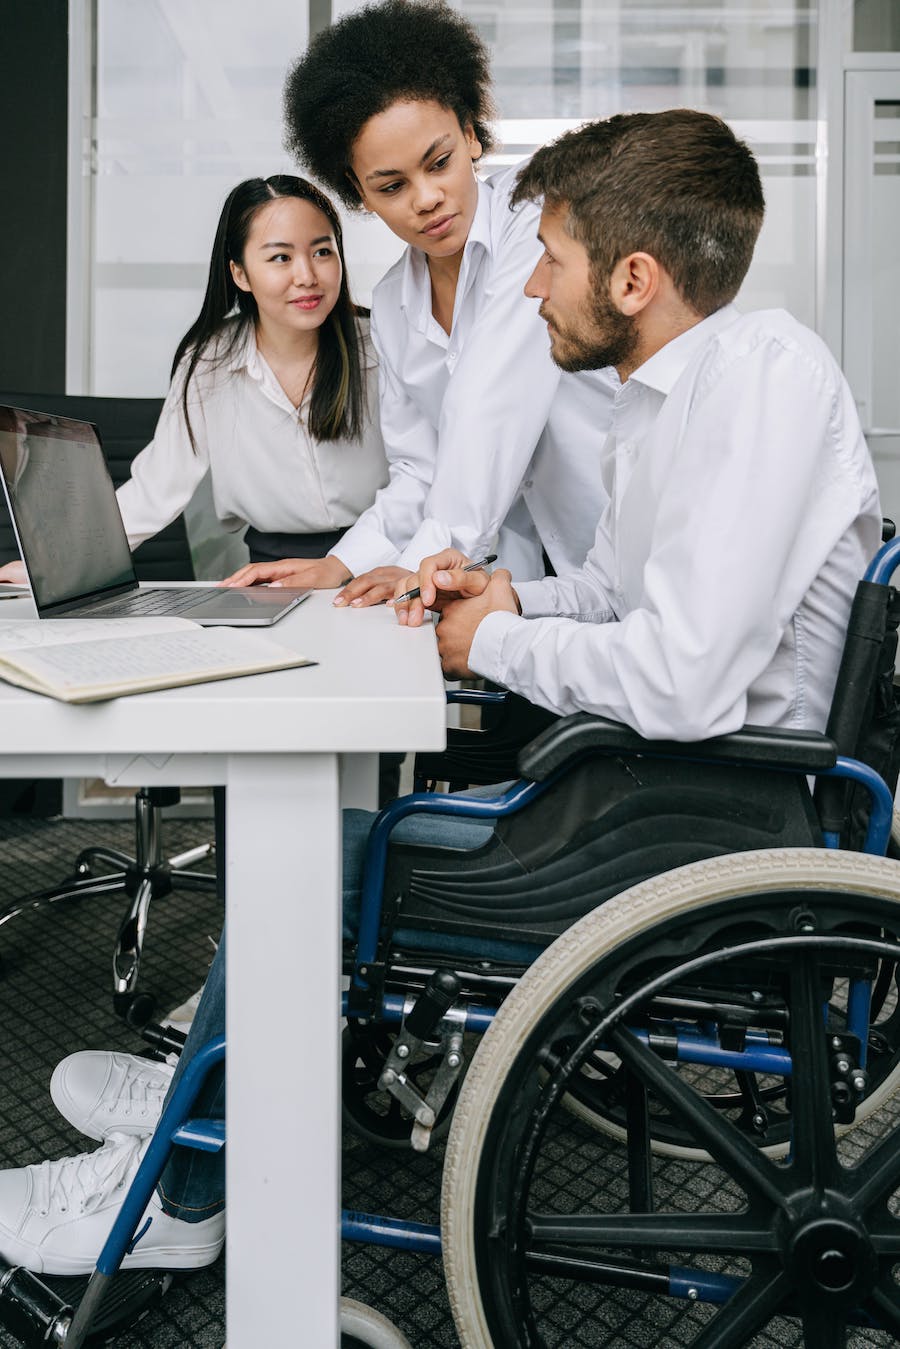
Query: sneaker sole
x=154 y=1257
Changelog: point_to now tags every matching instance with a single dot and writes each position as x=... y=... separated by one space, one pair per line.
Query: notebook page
x=53 y=631
x=176 y=655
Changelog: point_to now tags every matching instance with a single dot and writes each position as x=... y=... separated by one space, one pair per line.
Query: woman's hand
x=373 y=587
x=302 y=573
x=14 y=574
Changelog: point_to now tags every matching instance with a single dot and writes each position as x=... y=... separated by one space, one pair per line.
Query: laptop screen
x=63 y=506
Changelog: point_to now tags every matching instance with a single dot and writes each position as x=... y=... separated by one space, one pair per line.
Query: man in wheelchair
x=743 y=510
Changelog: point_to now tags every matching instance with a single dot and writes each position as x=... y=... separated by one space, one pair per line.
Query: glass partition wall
x=183 y=99
x=188 y=101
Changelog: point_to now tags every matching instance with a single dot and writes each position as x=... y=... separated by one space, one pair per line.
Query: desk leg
x=283 y=1152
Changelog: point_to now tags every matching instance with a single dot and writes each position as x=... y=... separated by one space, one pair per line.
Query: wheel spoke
x=884 y=1232
x=753 y=1305
x=878 y=1175
x=823 y=1325
x=732 y=1233
x=814 y=1152
x=744 y=1162
x=884 y=1303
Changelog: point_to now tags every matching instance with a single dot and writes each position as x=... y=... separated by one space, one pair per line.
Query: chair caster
x=364 y=1328
x=135 y=1009
x=164 y=1039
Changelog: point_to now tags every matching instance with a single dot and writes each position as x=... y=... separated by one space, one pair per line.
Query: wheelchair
x=670 y=952
x=666 y=951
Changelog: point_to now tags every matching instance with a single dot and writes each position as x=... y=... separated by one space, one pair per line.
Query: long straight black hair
x=337 y=406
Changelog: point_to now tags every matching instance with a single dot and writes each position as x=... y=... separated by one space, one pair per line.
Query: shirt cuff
x=533 y=599
x=362 y=548
x=430 y=538
x=486 y=652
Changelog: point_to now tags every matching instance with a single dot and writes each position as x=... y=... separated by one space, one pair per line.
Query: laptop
x=72 y=539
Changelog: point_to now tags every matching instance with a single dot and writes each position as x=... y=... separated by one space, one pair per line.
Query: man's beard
x=604 y=336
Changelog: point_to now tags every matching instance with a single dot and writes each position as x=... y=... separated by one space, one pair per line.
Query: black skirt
x=274 y=547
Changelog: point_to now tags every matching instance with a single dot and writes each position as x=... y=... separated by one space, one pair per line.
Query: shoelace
x=138 y=1089
x=84 y=1182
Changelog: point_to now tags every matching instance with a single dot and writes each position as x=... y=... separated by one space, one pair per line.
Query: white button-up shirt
x=266 y=469
x=467 y=416
x=744 y=510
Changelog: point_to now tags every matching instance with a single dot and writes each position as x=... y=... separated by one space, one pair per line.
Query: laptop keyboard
x=145 y=602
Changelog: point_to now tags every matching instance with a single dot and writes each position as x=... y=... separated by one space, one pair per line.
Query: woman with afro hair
x=391 y=108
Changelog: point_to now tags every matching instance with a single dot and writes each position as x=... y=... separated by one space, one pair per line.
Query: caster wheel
x=135 y=1009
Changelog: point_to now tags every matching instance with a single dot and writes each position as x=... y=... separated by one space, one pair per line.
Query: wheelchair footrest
x=40 y=1311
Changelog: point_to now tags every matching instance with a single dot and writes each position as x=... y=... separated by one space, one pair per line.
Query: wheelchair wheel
x=541 y=1252
x=757 y=1106
x=371 y=1112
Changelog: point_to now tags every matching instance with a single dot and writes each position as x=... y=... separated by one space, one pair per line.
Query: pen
x=415 y=592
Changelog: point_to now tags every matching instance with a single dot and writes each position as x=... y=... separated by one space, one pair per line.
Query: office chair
x=126 y=425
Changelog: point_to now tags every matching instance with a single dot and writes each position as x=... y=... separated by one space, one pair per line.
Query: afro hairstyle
x=372 y=58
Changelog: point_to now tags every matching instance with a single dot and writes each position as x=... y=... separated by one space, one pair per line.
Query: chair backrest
x=126 y=425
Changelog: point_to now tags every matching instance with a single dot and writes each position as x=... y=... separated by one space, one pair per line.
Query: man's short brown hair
x=678 y=185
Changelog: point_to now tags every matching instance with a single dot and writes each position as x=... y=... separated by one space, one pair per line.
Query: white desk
x=285 y=745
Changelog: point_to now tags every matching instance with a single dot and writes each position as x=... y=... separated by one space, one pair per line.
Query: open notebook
x=97 y=659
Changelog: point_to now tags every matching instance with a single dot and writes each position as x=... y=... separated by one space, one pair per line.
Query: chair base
x=143 y=878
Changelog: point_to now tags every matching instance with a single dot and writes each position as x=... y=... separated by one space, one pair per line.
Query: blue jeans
x=192 y=1186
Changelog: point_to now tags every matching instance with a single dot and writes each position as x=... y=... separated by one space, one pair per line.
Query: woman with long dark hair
x=273 y=386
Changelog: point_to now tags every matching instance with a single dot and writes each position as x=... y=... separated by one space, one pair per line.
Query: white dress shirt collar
x=415 y=282
x=244 y=355
x=662 y=370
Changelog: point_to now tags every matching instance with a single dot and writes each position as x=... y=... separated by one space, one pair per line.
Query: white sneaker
x=55 y=1216
x=102 y=1093
x=182 y=1017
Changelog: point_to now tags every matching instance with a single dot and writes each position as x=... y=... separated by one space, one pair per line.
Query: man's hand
x=14 y=574
x=316 y=573
x=373 y=587
x=441 y=579
x=460 y=618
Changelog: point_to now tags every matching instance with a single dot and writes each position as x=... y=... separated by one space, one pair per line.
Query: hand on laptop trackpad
x=253 y=606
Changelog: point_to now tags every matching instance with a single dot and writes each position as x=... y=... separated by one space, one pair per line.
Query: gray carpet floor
x=55 y=998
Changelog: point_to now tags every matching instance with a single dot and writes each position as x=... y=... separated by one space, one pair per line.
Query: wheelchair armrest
x=477 y=697
x=580 y=734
